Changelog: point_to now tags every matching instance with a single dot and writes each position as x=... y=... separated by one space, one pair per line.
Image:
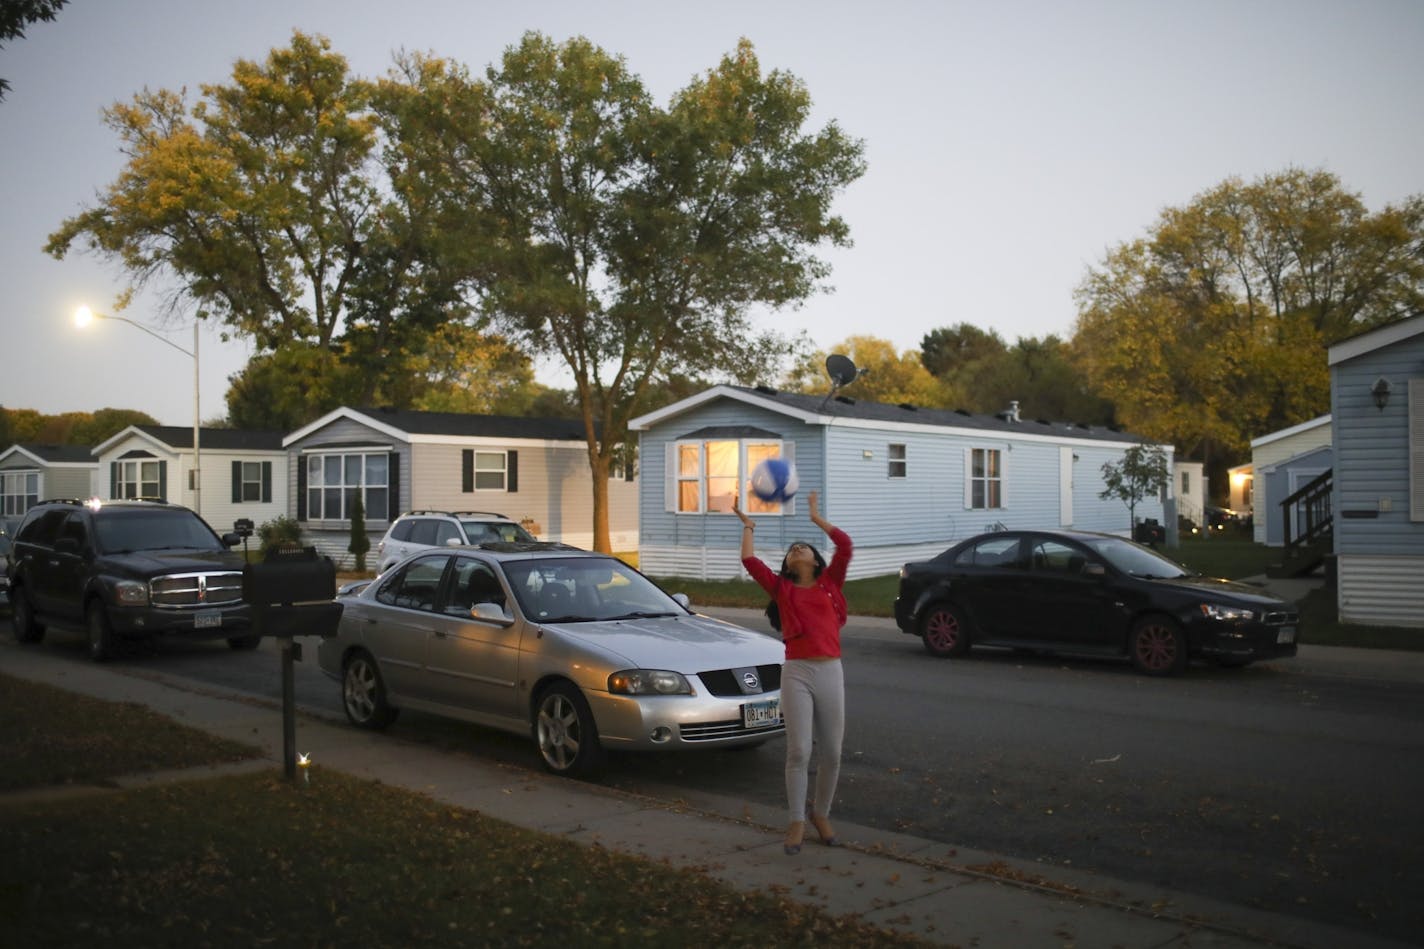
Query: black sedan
x=1087 y=593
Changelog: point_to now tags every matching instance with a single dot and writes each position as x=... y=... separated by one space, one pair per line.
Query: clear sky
x=1009 y=144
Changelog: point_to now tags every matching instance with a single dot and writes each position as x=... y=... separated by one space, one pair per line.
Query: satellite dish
x=841 y=370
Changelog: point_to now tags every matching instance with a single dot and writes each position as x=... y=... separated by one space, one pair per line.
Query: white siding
x=1381 y=591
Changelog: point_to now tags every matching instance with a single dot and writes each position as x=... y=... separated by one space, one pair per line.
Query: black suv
x=126 y=570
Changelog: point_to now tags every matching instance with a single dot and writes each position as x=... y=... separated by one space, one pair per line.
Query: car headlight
x=648 y=682
x=1219 y=611
x=131 y=593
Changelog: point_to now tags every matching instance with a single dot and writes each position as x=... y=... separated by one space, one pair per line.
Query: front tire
x=101 y=632
x=944 y=631
x=22 y=617
x=567 y=737
x=1157 y=646
x=363 y=694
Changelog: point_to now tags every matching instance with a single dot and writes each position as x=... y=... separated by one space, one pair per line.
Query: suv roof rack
x=456 y=513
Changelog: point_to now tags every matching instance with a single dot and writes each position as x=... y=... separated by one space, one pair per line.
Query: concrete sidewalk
x=940 y=893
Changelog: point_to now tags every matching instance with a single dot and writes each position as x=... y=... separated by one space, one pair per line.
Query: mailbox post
x=291 y=593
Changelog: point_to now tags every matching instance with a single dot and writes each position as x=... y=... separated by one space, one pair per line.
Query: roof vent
x=766 y=390
x=909 y=406
x=965 y=412
x=845 y=399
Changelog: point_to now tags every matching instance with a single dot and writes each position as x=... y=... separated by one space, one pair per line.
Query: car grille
x=724 y=682
x=1281 y=618
x=195 y=590
x=711 y=731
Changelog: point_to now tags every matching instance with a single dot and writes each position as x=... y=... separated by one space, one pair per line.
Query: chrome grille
x=711 y=731
x=196 y=590
x=1281 y=618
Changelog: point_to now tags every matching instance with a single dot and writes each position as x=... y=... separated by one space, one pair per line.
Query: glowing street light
x=83 y=316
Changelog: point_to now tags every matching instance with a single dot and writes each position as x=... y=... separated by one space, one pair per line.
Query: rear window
x=480 y=532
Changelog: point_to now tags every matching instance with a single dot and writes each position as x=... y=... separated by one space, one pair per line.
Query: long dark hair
x=773 y=611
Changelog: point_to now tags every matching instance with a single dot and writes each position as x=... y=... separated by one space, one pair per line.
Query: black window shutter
x=266 y=481
x=163 y=480
x=393 y=476
x=236 y=482
x=512 y=472
x=113 y=479
x=301 y=488
x=467 y=470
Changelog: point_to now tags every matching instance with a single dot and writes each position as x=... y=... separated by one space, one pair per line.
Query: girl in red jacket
x=808 y=595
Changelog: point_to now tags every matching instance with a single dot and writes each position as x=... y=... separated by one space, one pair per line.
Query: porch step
x=1301 y=560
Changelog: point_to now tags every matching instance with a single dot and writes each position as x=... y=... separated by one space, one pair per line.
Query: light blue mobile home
x=1377 y=400
x=904 y=482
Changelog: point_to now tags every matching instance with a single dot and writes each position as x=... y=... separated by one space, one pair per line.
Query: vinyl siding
x=1273 y=453
x=1371 y=484
x=1381 y=591
x=892 y=520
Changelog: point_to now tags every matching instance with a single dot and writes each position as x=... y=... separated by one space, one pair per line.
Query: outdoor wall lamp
x=1380 y=390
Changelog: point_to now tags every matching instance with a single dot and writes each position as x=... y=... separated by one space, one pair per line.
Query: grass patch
x=1229 y=557
x=256 y=860
x=56 y=737
x=871 y=596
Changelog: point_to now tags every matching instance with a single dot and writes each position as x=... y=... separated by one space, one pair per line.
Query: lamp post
x=84 y=316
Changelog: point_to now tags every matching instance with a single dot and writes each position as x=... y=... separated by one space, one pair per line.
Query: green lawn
x=255 y=860
x=1232 y=556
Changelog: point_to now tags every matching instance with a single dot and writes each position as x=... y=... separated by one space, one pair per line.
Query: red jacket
x=811 y=617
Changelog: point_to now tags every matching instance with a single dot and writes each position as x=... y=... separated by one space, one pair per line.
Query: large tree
x=1213 y=328
x=271 y=207
x=884 y=375
x=630 y=242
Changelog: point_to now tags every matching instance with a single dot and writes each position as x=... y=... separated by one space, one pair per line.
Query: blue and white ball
x=775 y=480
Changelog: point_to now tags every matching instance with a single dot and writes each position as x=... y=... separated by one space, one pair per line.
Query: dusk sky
x=1009 y=144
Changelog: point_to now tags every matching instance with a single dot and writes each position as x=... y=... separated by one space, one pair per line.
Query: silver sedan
x=576 y=649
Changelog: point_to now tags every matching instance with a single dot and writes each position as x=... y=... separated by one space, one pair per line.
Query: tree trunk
x=598 y=465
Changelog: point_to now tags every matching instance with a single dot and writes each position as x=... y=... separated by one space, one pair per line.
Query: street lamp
x=84 y=316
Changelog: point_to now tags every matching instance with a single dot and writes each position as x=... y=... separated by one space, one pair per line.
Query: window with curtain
x=985 y=479
x=710 y=474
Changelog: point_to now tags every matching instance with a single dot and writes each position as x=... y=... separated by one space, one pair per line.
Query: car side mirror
x=453 y=542
x=491 y=611
x=231 y=539
x=682 y=600
x=1094 y=570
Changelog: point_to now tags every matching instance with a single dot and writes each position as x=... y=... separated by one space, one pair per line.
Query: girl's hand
x=811 y=503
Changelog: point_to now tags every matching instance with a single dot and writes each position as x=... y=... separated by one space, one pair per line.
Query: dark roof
x=848 y=407
x=467 y=424
x=218 y=439
x=60 y=454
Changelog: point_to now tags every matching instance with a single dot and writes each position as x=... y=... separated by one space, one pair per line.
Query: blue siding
x=892 y=519
x=1372 y=452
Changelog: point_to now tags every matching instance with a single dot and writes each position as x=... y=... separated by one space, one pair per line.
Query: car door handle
x=440 y=634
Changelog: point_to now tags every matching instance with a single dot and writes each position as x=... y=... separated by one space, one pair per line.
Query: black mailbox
x=291 y=593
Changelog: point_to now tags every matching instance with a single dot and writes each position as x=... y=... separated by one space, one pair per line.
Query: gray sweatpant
x=813 y=704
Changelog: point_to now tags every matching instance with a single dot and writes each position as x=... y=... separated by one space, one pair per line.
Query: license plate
x=761 y=714
x=208 y=619
x=1286 y=634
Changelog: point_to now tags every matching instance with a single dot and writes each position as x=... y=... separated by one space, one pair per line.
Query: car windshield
x=121 y=531
x=480 y=532
x=578 y=589
x=1137 y=560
